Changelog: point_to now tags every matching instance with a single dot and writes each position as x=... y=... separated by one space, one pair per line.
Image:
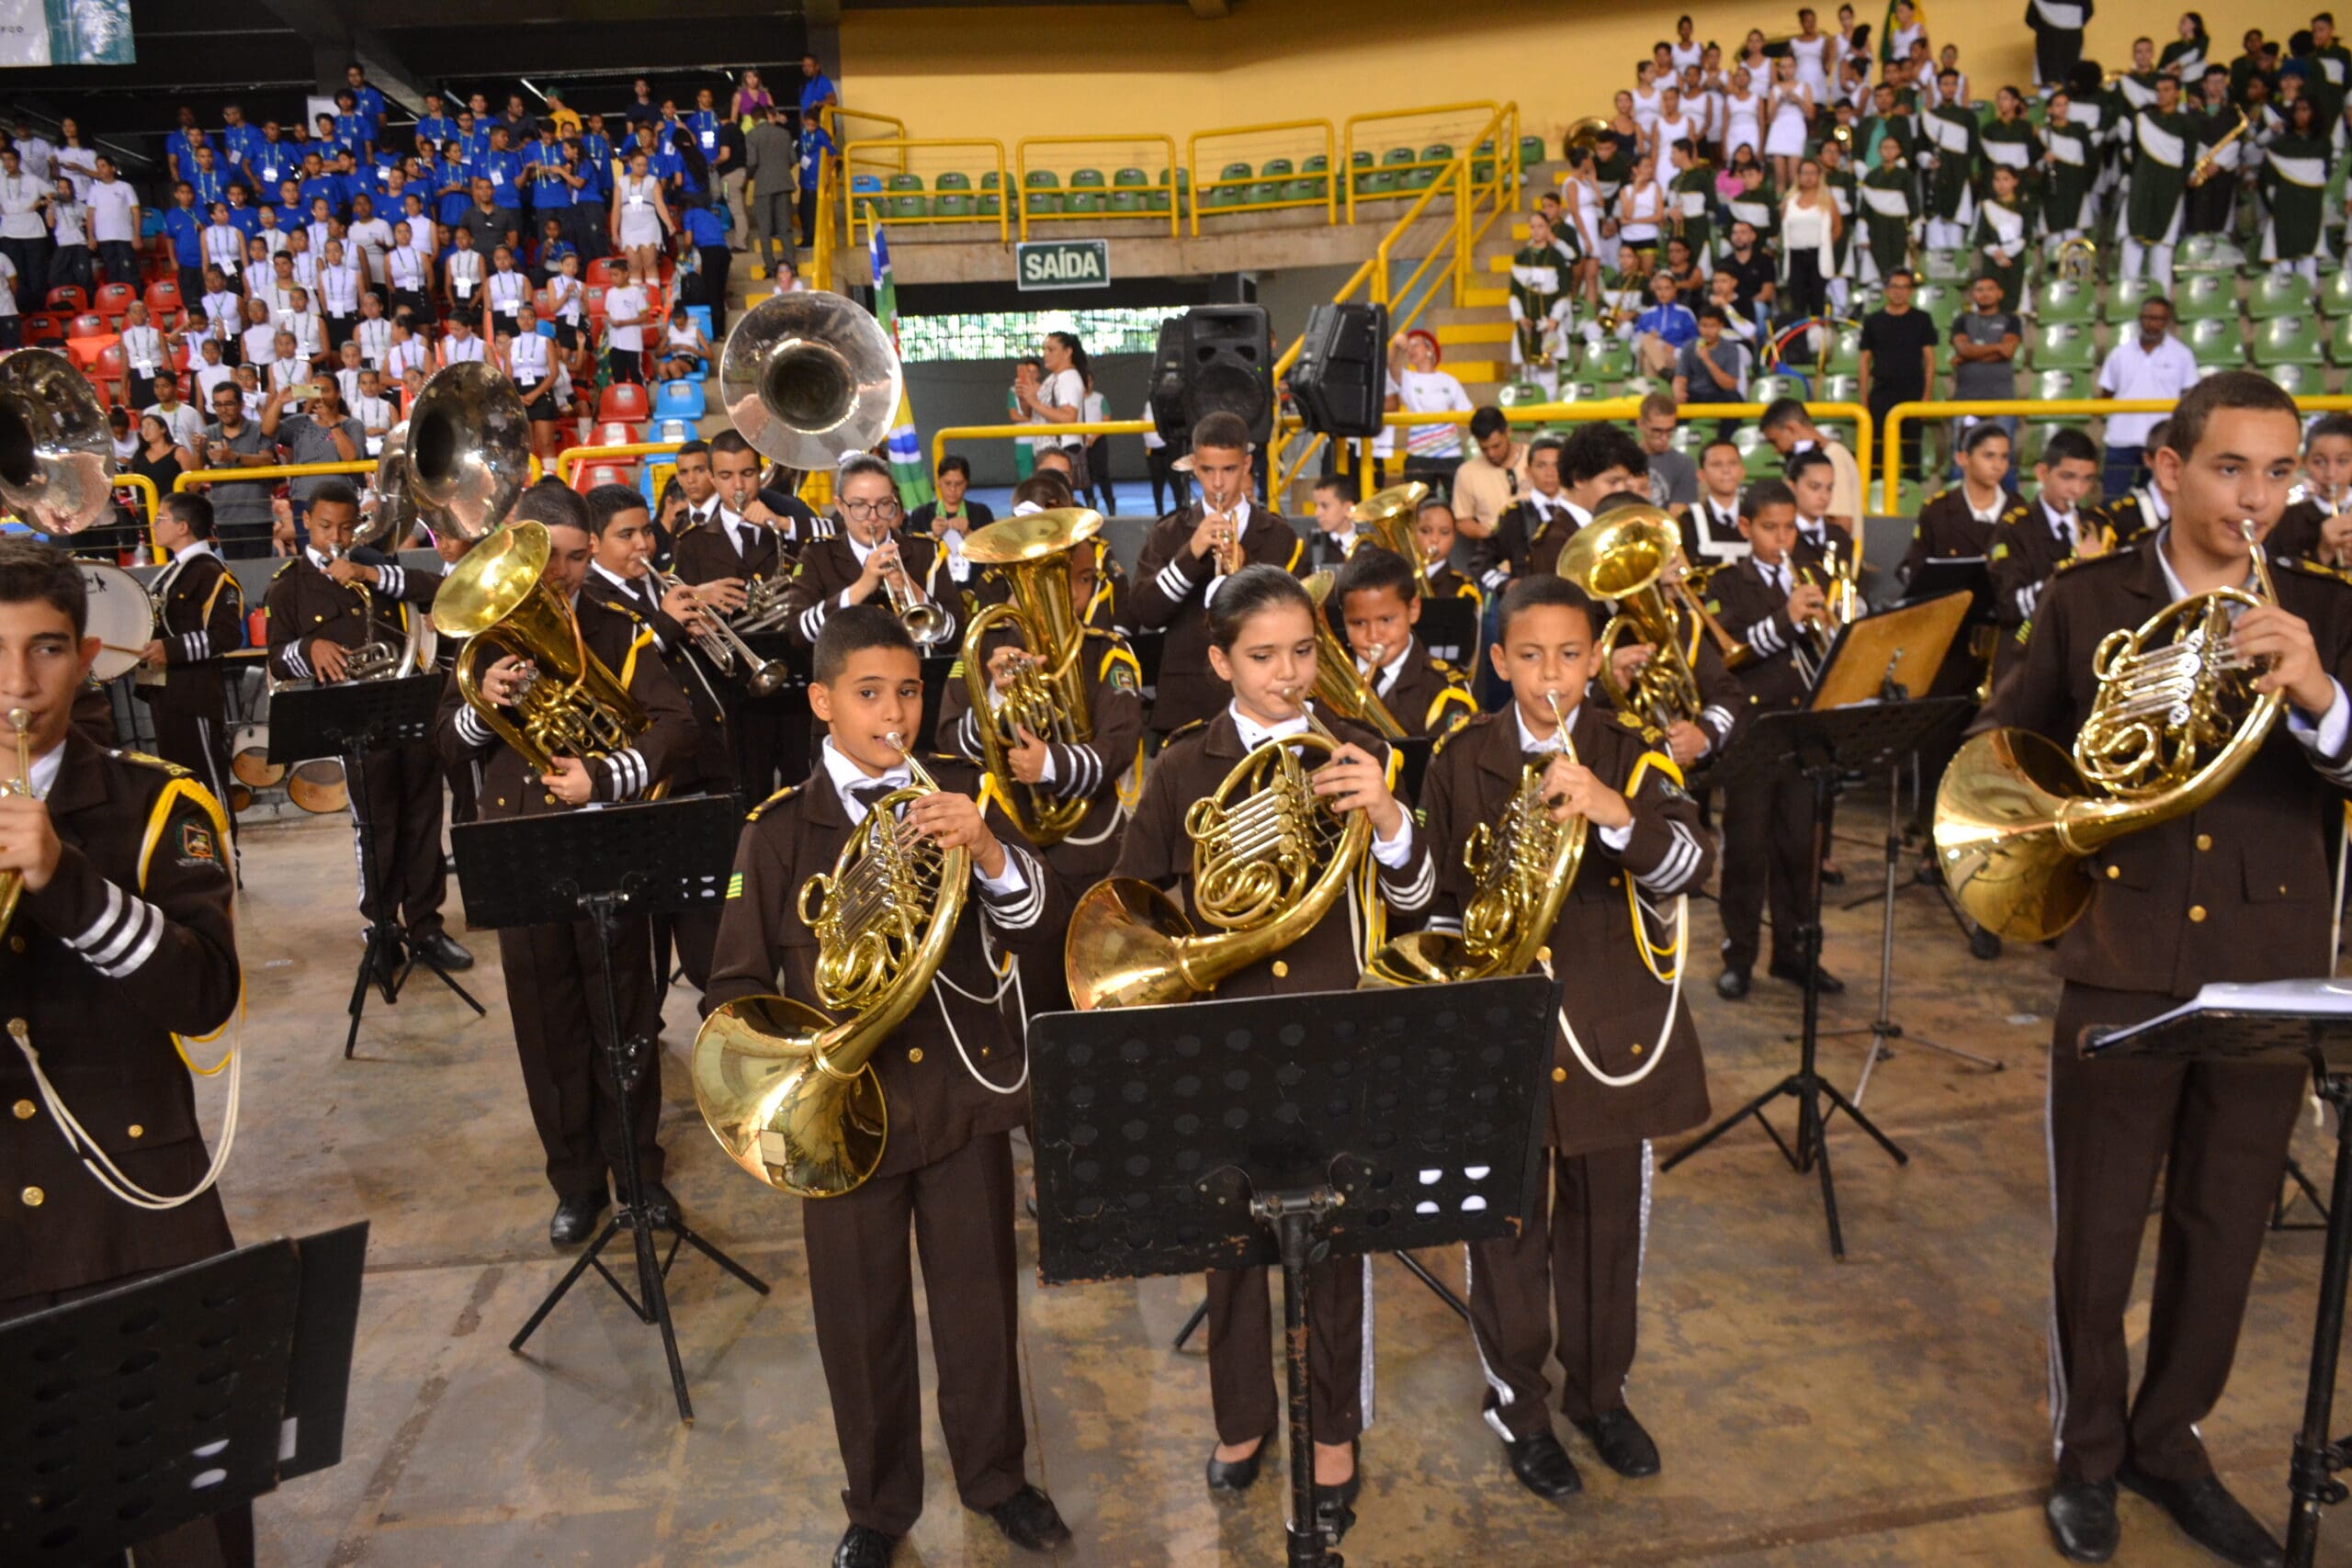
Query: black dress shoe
x=862 y=1546
x=1030 y=1522
x=1236 y=1474
x=385 y=976
x=1623 y=1446
x=1334 y=1513
x=576 y=1218
x=1732 y=985
x=2082 y=1520
x=443 y=949
x=1543 y=1467
x=1984 y=944
x=1794 y=973
x=2208 y=1516
x=1348 y=1491
x=660 y=1205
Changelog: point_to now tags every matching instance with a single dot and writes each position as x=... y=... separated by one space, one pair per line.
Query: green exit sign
x=1062 y=263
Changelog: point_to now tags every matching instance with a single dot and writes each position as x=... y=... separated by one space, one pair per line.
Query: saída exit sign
x=1062 y=263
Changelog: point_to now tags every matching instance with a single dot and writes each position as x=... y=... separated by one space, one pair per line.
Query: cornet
x=724 y=646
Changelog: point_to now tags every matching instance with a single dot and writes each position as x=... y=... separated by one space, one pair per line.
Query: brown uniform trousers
x=1768 y=821
x=103 y=964
x=555 y=984
x=769 y=734
x=397 y=803
x=2237 y=890
x=946 y=1169
x=1568 y=1286
x=1169 y=595
x=202 y=613
x=1240 y=1323
x=709 y=769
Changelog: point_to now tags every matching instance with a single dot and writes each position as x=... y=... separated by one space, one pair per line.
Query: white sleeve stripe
x=294 y=660
x=1173 y=580
x=103 y=924
x=1764 y=638
x=1029 y=904
x=812 y=621
x=1717 y=719
x=150 y=928
x=1449 y=924
x=391 y=580
x=2026 y=597
x=1495 y=579
x=122 y=939
x=1679 y=865
x=472 y=727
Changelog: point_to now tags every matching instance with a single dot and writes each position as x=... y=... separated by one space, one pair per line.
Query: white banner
x=65 y=32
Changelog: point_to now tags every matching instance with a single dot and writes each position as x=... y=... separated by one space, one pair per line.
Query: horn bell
x=55 y=450
x=809 y=378
x=394 y=515
x=468 y=450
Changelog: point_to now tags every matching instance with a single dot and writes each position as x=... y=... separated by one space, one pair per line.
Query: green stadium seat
x=1940 y=301
x=1482 y=161
x=1765 y=388
x=1642 y=386
x=1316 y=164
x=2336 y=293
x=1755 y=454
x=1233 y=171
x=2067 y=299
x=2205 y=297
x=2292 y=341
x=2215 y=342
x=953 y=180
x=1301 y=190
x=990 y=181
x=2299 y=380
x=2207 y=253
x=1532 y=150
x=1581 y=392
x=1130 y=177
x=1843 y=387
x=898 y=182
x=1379 y=182
x=2339 y=343
x=2034 y=440
x=952 y=204
x=2280 y=295
x=989 y=203
x=1437 y=153
x=1945 y=265
x=1518 y=394
x=1042 y=179
x=1398 y=155
x=1087 y=179
x=1361 y=158
x=2056 y=384
x=1607 y=360
x=1845 y=353
x=1040 y=202
x=1221 y=195
x=909 y=207
x=2065 y=345
x=1276 y=166
x=1125 y=201
x=2125 y=296
x=1089 y=200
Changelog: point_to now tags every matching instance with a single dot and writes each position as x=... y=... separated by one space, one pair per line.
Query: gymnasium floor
x=1888 y=1410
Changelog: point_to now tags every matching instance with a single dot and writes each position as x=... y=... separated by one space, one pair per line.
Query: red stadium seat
x=622 y=401
x=108 y=373
x=44 y=327
x=164 y=298
x=599 y=274
x=591 y=475
x=114 y=299
x=85 y=352
x=616 y=433
x=67 y=299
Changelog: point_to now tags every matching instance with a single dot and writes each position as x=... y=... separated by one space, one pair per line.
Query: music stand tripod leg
x=1292 y=1216
x=355 y=776
x=2318 y=1455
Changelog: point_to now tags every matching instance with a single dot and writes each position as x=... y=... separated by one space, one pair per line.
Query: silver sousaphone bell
x=467 y=452
x=809 y=378
x=391 y=513
x=55 y=450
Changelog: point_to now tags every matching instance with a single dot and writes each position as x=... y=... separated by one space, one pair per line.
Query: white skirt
x=1787 y=139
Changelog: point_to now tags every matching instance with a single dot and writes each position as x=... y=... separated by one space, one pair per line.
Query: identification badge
x=464 y=286
x=710 y=139
x=498 y=176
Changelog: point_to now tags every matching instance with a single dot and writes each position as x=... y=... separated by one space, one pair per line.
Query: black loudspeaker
x=1214 y=359
x=1342 y=373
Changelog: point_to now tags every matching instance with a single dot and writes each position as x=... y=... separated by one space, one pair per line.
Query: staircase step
x=1473 y=332
x=1479 y=372
x=1475 y=298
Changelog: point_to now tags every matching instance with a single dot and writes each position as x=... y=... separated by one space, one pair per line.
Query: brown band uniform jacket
x=201 y=616
x=934 y=1107
x=305 y=604
x=1818 y=541
x=1756 y=611
x=1711 y=534
x=127 y=943
x=2237 y=890
x=2296 y=536
x=1090 y=770
x=1169 y=595
x=1529 y=538
x=1947 y=530
x=1445 y=582
x=706 y=550
x=1426 y=696
x=709 y=767
x=1158 y=851
x=830 y=564
x=1615 y=1005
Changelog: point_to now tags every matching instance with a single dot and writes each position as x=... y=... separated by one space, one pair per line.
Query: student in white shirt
x=210 y=370
x=223 y=242
x=531 y=366
x=506 y=288
x=114 y=220
x=69 y=231
x=1422 y=388
x=310 y=337
x=184 y=420
x=304 y=258
x=224 y=309
x=463 y=271
x=339 y=286
x=287 y=366
x=463 y=346
x=373 y=411
x=261 y=270
x=374 y=332
x=12 y=326
x=408 y=273
x=409 y=352
x=258 y=342
x=625 y=312
x=145 y=351
x=347 y=373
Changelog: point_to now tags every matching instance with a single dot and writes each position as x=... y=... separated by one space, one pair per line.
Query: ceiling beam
x=335 y=43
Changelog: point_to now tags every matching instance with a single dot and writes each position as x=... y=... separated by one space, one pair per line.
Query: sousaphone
x=56 y=454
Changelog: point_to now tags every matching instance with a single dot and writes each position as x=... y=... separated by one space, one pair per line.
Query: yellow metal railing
x=869 y=204
x=156 y=553
x=940 y=438
x=1021 y=170
x=195 y=476
x=1328 y=177
x=890 y=127
x=1352 y=140
x=571 y=459
x=1902 y=414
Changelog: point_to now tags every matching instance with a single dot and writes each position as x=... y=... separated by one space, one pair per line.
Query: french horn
x=56 y=453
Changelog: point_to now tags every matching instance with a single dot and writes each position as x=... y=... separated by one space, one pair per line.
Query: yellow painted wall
x=1012 y=71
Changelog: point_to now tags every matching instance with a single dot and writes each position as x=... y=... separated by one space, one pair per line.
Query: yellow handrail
x=1347 y=133
x=940 y=438
x=195 y=477
x=1021 y=170
x=142 y=482
x=2056 y=408
x=904 y=145
x=569 y=461
x=830 y=117
x=1331 y=175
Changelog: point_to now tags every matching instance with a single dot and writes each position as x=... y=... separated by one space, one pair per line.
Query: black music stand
x=2304 y=1020
x=1823 y=746
x=140 y=1409
x=638 y=860
x=349 y=719
x=1262 y=1132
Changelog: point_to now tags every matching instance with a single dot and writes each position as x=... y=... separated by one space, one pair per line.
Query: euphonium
x=2174 y=720
x=1269 y=861
x=1625 y=557
x=1047 y=696
x=1388 y=517
x=12 y=883
x=496 y=600
x=1524 y=864
x=1339 y=684
x=467 y=452
x=786 y=1091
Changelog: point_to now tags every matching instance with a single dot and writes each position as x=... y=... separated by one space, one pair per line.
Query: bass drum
x=249 y=757
x=123 y=618
x=318 y=787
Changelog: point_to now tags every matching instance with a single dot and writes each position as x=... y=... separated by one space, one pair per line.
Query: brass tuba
x=1047 y=696
x=468 y=451
x=1624 y=558
x=1339 y=684
x=2174 y=720
x=1389 y=515
x=1269 y=861
x=1524 y=864
x=1585 y=132
x=572 y=706
x=786 y=1091
x=56 y=455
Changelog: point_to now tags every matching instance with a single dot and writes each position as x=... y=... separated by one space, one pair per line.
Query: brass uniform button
x=2196 y=913
x=551 y=800
x=136 y=1131
x=914 y=1053
x=33 y=1197
x=2114 y=872
x=1637 y=1047
x=1616 y=882
x=1543 y=955
x=1281 y=969
x=1559 y=1074
x=2204 y=841
x=24 y=1110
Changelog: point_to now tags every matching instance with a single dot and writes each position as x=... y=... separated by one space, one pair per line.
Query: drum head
x=249 y=756
x=123 y=618
x=318 y=786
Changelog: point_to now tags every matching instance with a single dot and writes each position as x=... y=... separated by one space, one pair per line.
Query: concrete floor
x=1887 y=1410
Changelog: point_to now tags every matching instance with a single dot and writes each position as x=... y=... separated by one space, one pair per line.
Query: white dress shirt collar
x=1386 y=675
x=1254 y=734
x=193 y=548
x=847 y=775
x=45 y=768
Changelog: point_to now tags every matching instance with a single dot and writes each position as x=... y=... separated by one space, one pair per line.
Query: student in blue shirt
x=239 y=140
x=706 y=229
x=272 y=159
x=355 y=130
x=814 y=144
x=453 y=186
x=326 y=140
x=208 y=178
x=184 y=226
x=317 y=182
x=181 y=145
x=504 y=170
x=704 y=123
x=433 y=126
x=244 y=213
x=816 y=90
x=366 y=102
x=591 y=203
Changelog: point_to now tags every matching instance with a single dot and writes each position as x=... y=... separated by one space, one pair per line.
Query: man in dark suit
x=2236 y=890
x=1187 y=558
x=201 y=616
x=122 y=938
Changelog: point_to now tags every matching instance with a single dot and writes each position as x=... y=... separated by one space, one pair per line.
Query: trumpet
x=1227 y=548
x=12 y=883
x=763 y=608
x=724 y=646
x=924 y=620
